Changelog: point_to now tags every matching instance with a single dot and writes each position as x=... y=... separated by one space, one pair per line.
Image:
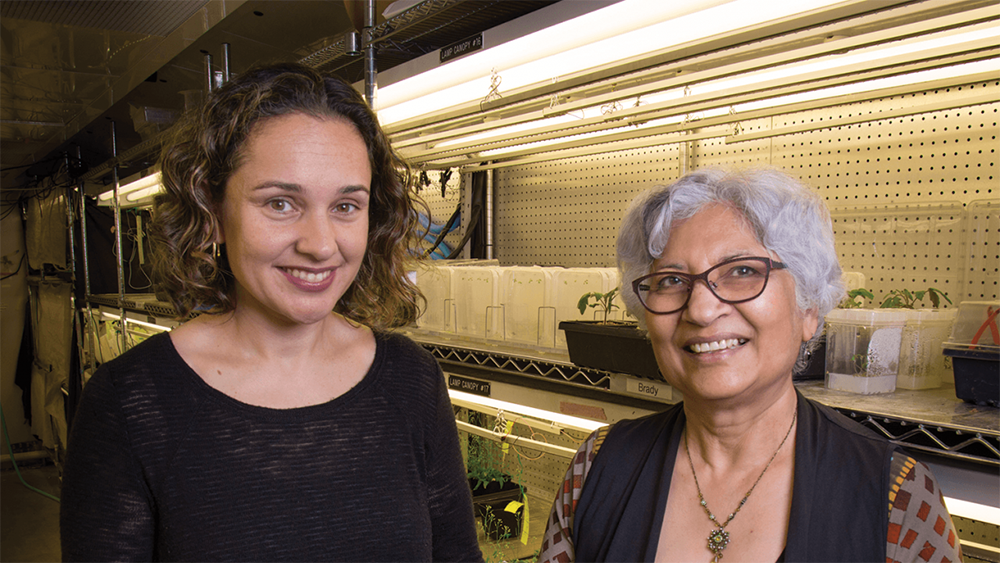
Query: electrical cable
x=449 y=226
x=10 y=450
x=19 y=263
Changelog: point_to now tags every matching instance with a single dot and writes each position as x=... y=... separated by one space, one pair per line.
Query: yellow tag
x=513 y=506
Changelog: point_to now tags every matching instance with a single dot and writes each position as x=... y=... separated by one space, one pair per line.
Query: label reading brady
x=649 y=389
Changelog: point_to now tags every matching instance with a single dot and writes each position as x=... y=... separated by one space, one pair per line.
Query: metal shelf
x=934 y=421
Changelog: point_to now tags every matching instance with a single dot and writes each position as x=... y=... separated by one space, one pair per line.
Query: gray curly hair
x=787 y=218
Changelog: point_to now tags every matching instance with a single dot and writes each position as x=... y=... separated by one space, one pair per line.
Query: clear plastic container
x=476 y=297
x=435 y=282
x=568 y=285
x=529 y=317
x=921 y=363
x=862 y=349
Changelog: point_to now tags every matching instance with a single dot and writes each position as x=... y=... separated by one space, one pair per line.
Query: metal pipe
x=371 y=71
x=86 y=259
x=209 y=79
x=116 y=205
x=70 y=223
x=226 y=62
x=489 y=214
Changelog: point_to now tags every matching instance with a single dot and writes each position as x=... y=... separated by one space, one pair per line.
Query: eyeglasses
x=734 y=281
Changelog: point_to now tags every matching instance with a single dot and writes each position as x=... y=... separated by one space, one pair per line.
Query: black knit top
x=161 y=466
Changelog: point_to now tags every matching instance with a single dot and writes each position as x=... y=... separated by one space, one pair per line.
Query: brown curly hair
x=207 y=148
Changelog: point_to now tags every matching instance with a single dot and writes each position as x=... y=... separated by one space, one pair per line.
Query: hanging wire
x=494 y=92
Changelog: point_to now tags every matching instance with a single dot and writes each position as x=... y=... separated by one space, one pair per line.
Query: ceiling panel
x=148 y=17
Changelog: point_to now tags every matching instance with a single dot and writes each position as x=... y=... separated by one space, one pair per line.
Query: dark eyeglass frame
x=692 y=278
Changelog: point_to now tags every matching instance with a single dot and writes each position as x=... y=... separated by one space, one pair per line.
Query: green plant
x=904 y=299
x=601 y=301
x=851 y=301
x=483 y=463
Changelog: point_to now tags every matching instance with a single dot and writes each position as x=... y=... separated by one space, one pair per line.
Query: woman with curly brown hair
x=285 y=422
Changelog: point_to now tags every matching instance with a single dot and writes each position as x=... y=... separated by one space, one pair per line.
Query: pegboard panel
x=567 y=212
x=938 y=156
x=982 y=270
x=443 y=193
x=909 y=246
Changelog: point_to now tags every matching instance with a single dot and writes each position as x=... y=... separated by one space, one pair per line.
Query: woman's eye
x=668 y=282
x=346 y=207
x=743 y=271
x=279 y=205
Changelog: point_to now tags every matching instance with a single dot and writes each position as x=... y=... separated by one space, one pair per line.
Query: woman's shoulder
x=399 y=350
x=153 y=353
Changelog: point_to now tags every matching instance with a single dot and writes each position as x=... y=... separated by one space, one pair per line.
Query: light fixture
x=973 y=510
x=551 y=420
x=925 y=53
x=129 y=321
x=606 y=36
x=137 y=193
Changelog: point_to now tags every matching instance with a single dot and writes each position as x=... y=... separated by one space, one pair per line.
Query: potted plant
x=607 y=344
x=496 y=498
x=921 y=361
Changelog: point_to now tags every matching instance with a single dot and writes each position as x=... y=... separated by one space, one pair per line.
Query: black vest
x=840 y=499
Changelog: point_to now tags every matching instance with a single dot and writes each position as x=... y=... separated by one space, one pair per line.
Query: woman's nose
x=317 y=238
x=703 y=306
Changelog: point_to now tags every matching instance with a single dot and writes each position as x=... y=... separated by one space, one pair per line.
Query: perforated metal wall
x=914 y=198
x=442 y=198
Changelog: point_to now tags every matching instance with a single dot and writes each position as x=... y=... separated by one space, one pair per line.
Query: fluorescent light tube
x=469 y=400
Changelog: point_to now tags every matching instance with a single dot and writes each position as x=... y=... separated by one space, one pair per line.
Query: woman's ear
x=810 y=322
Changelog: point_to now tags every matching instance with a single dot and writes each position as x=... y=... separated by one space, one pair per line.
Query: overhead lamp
x=129 y=321
x=548 y=130
x=602 y=37
x=556 y=420
x=134 y=194
x=973 y=510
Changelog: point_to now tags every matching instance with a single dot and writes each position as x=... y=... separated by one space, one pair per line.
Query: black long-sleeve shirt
x=161 y=466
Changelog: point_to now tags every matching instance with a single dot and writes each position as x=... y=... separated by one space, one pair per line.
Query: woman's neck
x=739 y=433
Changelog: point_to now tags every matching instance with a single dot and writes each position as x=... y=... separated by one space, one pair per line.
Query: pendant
x=717 y=541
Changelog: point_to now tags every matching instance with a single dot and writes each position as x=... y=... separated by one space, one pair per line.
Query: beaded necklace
x=718 y=539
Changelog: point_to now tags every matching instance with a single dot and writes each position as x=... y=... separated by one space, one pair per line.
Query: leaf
x=937 y=292
x=862 y=292
x=582 y=304
x=891 y=302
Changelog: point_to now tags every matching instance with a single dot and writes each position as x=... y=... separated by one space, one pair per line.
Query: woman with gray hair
x=731 y=274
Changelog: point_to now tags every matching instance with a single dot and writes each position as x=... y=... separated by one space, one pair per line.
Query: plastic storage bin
x=921 y=363
x=568 y=285
x=529 y=317
x=435 y=282
x=974 y=348
x=862 y=349
x=476 y=293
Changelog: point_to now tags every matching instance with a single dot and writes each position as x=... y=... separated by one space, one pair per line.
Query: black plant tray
x=490 y=504
x=976 y=378
x=619 y=347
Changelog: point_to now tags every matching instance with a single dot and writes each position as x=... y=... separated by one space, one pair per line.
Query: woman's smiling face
x=711 y=350
x=295 y=217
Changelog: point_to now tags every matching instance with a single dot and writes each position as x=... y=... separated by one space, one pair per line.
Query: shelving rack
x=909 y=174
